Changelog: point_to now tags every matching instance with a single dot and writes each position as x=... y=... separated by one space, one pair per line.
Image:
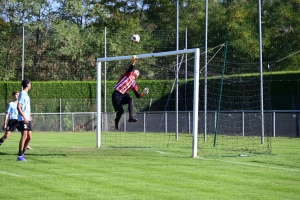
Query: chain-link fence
x=239 y=123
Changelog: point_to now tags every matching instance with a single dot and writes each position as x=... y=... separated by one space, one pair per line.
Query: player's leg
x=24 y=133
x=116 y=101
x=5 y=136
x=21 y=146
x=119 y=113
x=128 y=100
x=29 y=136
x=11 y=126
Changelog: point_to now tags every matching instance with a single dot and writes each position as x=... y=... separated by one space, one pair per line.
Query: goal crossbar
x=196 y=52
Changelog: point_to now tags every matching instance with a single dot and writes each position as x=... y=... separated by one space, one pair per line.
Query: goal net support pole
x=196 y=52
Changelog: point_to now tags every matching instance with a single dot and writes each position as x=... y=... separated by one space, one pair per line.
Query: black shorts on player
x=12 y=124
x=24 y=127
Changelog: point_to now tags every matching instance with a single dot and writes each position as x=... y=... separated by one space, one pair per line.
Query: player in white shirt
x=24 y=118
x=11 y=117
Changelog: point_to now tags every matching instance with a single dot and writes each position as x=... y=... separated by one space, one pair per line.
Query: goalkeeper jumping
x=120 y=96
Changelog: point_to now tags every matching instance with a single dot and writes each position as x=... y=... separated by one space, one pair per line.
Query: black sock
x=20 y=153
x=1 y=141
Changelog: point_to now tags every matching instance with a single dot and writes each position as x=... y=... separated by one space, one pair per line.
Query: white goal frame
x=196 y=52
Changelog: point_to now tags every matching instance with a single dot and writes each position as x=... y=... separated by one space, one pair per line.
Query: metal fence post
x=274 y=125
x=144 y=115
x=243 y=123
x=60 y=120
x=166 y=122
x=73 y=124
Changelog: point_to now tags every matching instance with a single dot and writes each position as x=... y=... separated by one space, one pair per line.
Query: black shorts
x=12 y=124
x=24 y=127
x=119 y=99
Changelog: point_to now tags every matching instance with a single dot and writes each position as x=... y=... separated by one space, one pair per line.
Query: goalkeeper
x=120 y=96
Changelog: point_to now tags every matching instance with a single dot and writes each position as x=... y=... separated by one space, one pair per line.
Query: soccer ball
x=135 y=38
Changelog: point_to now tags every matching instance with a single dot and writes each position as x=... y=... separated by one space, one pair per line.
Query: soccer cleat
x=132 y=120
x=21 y=158
x=28 y=147
x=117 y=124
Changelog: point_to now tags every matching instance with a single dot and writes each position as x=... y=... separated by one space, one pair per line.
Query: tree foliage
x=64 y=37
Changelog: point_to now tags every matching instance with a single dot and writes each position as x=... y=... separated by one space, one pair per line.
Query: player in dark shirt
x=120 y=96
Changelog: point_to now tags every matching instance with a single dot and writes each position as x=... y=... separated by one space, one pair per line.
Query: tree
x=160 y=14
x=282 y=33
x=64 y=37
x=242 y=30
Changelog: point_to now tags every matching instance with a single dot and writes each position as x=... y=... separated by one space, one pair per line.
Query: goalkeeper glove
x=145 y=91
x=134 y=58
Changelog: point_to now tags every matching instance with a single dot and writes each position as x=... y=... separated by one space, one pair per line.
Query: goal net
x=209 y=112
x=234 y=123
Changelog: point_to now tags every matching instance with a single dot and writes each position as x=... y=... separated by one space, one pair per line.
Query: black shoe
x=117 y=124
x=132 y=120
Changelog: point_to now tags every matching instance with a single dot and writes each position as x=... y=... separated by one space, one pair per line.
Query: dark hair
x=25 y=82
x=15 y=92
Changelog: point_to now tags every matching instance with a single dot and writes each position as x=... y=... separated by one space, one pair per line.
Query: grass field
x=68 y=166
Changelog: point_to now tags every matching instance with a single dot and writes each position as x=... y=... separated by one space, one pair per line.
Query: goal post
x=195 y=51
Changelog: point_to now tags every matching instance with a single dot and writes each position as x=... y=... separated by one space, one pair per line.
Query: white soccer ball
x=135 y=38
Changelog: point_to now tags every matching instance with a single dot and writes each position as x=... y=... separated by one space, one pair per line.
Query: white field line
x=10 y=174
x=243 y=163
x=161 y=152
x=255 y=165
x=58 y=175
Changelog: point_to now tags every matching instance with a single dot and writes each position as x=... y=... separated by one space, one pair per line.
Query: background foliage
x=63 y=38
x=80 y=96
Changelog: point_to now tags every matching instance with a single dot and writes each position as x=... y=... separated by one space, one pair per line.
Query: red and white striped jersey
x=126 y=82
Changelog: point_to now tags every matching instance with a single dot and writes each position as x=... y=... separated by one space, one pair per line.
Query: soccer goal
x=196 y=57
x=212 y=108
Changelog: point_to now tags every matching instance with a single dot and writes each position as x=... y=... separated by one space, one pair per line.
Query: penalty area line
x=10 y=174
x=157 y=151
x=255 y=165
x=161 y=152
x=165 y=153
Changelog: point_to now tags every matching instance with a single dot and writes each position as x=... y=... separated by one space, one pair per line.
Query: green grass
x=68 y=166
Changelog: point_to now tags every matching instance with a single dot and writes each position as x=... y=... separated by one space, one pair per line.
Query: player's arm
x=6 y=116
x=130 y=69
x=5 y=121
x=138 y=95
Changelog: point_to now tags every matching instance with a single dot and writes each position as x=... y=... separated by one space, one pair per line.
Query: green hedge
x=80 y=96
